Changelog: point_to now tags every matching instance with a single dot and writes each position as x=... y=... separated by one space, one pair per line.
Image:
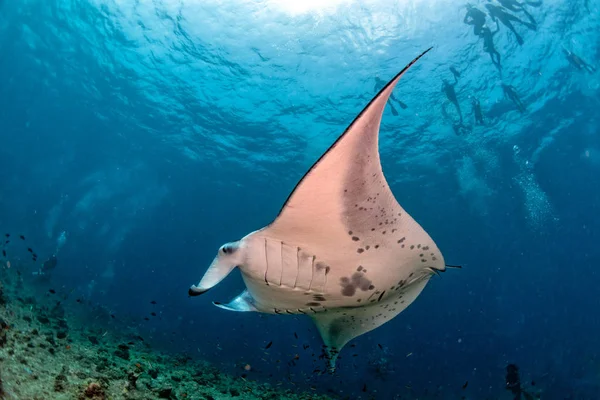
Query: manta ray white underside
x=342 y=250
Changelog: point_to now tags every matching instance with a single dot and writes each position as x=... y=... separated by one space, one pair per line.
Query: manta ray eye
x=225 y=249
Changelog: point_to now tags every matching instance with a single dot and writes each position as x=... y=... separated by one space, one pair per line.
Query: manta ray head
x=229 y=256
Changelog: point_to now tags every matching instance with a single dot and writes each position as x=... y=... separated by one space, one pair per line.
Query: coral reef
x=44 y=355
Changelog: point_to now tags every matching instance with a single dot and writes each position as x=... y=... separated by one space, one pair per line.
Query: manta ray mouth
x=196 y=291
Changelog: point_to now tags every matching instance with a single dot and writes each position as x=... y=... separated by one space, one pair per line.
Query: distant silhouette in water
x=460 y=129
x=49 y=265
x=515 y=6
x=488 y=45
x=457 y=127
x=448 y=89
x=379 y=83
x=577 y=62
x=511 y=93
x=513 y=383
x=475 y=17
x=477 y=111
x=498 y=13
x=455 y=72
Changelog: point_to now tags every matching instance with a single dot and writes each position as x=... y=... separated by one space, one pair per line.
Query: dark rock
x=3 y=335
x=132 y=379
x=60 y=383
x=61 y=334
x=165 y=393
x=94 y=391
x=121 y=353
x=93 y=340
x=153 y=373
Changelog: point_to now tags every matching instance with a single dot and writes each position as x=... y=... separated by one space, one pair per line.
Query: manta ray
x=342 y=250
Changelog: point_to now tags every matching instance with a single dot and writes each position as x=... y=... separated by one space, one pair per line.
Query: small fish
x=152 y=302
x=29 y=250
x=112 y=316
x=269 y=345
x=146 y=319
x=52 y=291
x=78 y=300
x=4 y=253
x=22 y=237
x=295 y=335
x=465 y=385
x=364 y=389
x=380 y=346
x=153 y=314
x=7 y=235
x=305 y=346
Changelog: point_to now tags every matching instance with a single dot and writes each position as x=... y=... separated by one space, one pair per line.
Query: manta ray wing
x=346 y=177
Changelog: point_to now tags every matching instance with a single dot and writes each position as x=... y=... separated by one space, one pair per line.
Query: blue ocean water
x=152 y=132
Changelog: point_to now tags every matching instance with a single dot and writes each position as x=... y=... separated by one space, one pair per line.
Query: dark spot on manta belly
x=358 y=281
x=313 y=304
x=348 y=290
